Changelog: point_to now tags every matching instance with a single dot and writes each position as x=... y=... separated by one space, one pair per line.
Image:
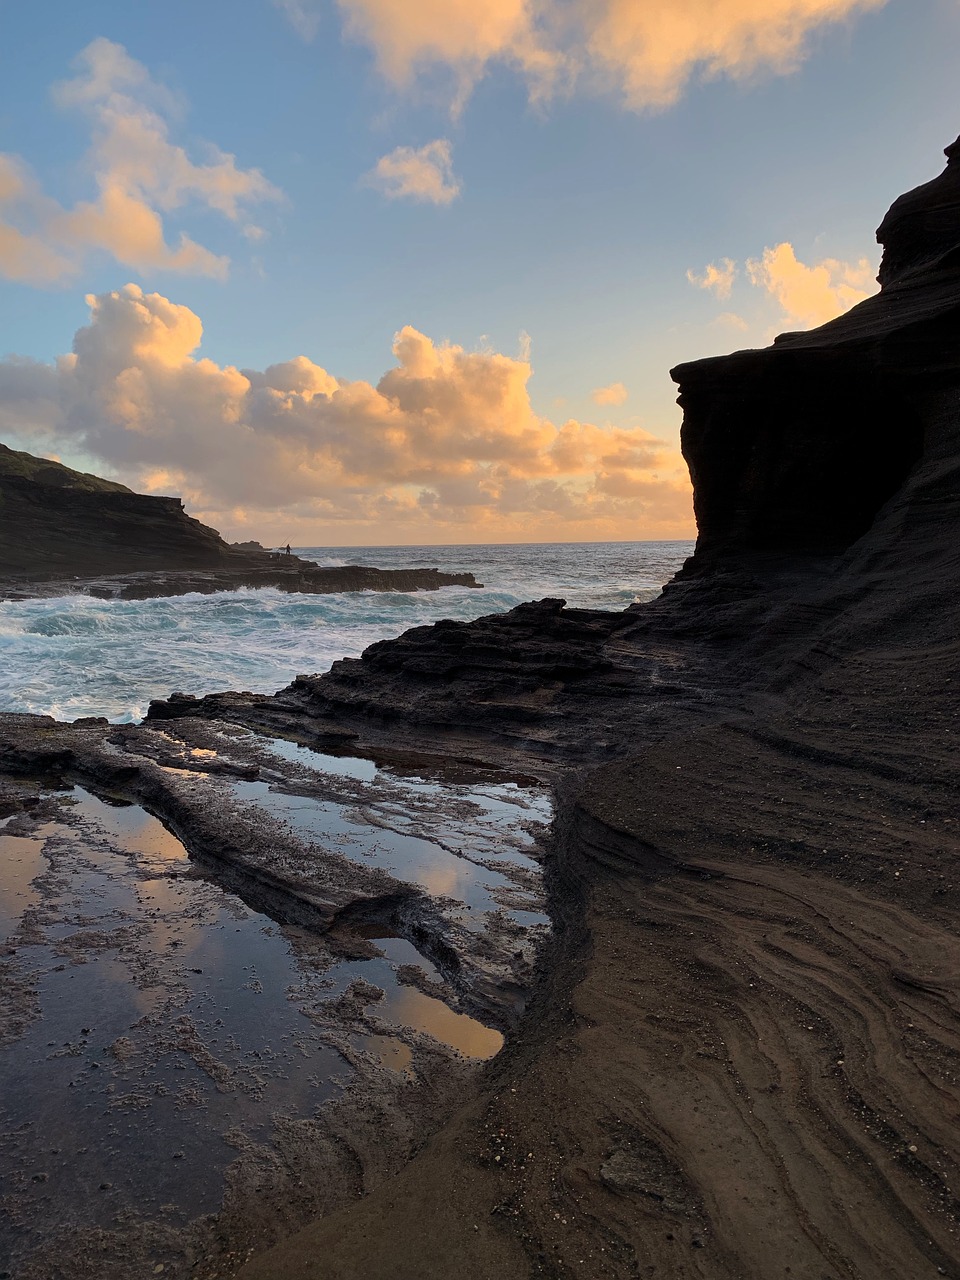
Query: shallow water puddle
x=172 y=1018
x=22 y=861
x=473 y=843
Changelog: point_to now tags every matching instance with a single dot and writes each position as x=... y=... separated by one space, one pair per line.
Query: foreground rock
x=749 y=1061
x=299 y=930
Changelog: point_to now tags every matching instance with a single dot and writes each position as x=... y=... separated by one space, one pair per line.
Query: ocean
x=77 y=656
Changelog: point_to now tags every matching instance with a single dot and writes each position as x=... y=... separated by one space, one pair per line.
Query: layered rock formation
x=744 y=1057
x=796 y=448
x=58 y=525
x=55 y=521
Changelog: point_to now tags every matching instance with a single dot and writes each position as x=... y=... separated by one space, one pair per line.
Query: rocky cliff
x=59 y=525
x=797 y=447
x=55 y=521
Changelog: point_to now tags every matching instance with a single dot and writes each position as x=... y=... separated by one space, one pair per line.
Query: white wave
x=76 y=655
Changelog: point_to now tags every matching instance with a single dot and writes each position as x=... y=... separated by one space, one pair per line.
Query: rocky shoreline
x=283 y=573
x=741 y=1054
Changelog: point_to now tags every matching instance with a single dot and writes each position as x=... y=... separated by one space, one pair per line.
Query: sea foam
x=76 y=655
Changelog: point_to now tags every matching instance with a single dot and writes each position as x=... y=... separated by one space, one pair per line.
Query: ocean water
x=75 y=655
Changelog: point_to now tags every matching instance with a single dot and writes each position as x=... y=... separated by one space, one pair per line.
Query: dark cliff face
x=55 y=521
x=797 y=447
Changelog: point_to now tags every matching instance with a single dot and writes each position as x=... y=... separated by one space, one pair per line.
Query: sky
x=354 y=272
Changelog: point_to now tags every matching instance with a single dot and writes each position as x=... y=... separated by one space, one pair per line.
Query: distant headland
x=63 y=530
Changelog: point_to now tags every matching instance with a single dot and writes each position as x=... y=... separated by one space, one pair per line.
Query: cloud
x=807 y=295
x=139 y=175
x=425 y=174
x=718 y=278
x=811 y=295
x=730 y=320
x=447 y=438
x=302 y=15
x=616 y=393
x=645 y=51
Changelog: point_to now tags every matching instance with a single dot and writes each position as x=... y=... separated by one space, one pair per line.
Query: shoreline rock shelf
x=299 y=577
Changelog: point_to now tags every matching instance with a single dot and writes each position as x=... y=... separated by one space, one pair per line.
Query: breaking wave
x=76 y=655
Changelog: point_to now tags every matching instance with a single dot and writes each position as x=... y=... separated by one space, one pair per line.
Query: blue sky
x=560 y=216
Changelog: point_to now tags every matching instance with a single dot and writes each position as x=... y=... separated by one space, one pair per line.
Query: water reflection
x=368 y=833
x=21 y=861
x=171 y=1014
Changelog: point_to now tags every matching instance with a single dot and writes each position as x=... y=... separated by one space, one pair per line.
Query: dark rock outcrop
x=794 y=449
x=283 y=573
x=58 y=525
x=57 y=522
x=540 y=674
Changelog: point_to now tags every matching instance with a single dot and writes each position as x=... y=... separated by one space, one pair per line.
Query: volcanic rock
x=797 y=447
x=744 y=1055
x=58 y=526
x=55 y=521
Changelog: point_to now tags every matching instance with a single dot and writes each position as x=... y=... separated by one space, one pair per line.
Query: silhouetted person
x=287 y=549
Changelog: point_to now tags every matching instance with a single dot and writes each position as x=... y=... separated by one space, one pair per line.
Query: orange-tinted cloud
x=446 y=440
x=717 y=277
x=811 y=295
x=424 y=174
x=139 y=174
x=807 y=295
x=615 y=393
x=646 y=50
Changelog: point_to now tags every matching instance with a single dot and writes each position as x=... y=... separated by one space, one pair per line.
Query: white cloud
x=446 y=437
x=140 y=176
x=615 y=393
x=645 y=51
x=424 y=174
x=811 y=295
x=717 y=277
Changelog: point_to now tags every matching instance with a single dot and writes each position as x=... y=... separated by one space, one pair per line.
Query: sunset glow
x=379 y=272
